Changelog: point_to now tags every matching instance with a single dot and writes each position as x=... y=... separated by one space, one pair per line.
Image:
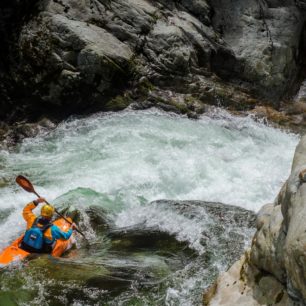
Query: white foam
x=152 y=155
x=168 y=220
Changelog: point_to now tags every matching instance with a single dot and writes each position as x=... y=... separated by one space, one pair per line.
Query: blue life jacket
x=34 y=236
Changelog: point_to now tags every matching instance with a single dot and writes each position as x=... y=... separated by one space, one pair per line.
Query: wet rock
x=112 y=284
x=98 y=218
x=4 y=128
x=141 y=237
x=192 y=115
x=278 y=250
x=170 y=101
x=296 y=108
x=271 y=115
x=167 y=107
x=245 y=285
x=142 y=105
x=226 y=214
x=118 y=103
x=21 y=130
x=26 y=130
x=47 y=124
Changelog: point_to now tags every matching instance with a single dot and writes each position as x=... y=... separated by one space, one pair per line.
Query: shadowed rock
x=141 y=237
x=74 y=57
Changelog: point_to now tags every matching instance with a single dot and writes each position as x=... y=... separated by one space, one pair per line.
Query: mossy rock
x=118 y=103
x=170 y=105
x=145 y=86
x=182 y=108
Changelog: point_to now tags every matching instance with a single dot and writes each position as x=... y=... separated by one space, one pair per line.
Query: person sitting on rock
x=41 y=234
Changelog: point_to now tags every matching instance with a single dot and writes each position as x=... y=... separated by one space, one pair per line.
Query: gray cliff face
x=263 y=37
x=274 y=271
x=71 y=55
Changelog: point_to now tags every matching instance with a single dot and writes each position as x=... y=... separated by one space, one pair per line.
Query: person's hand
x=73 y=226
x=39 y=200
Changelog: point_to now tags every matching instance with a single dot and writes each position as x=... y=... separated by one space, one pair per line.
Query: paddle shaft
x=59 y=214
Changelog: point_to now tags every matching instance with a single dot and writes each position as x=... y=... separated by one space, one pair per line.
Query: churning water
x=123 y=161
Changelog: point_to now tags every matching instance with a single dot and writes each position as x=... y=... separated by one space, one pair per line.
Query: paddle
x=27 y=186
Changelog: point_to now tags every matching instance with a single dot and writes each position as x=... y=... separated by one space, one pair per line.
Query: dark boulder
x=60 y=58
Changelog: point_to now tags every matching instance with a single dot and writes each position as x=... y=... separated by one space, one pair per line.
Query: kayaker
x=41 y=234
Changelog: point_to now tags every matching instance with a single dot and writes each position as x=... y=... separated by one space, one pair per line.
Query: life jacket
x=33 y=240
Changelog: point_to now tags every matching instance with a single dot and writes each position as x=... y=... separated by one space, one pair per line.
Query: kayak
x=14 y=253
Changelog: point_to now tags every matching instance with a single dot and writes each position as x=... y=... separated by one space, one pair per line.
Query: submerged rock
x=20 y=130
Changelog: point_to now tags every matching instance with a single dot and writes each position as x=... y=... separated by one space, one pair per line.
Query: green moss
x=114 y=65
x=132 y=65
x=182 y=108
x=190 y=100
x=147 y=85
x=155 y=16
x=118 y=103
x=158 y=99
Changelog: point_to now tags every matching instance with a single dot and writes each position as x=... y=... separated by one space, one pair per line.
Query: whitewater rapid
x=124 y=161
x=137 y=157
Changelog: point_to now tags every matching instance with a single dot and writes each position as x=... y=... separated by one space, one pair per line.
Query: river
x=122 y=162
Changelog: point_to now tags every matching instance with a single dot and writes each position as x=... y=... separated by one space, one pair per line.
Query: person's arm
x=28 y=214
x=58 y=234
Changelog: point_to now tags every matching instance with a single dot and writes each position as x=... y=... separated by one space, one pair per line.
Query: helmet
x=47 y=211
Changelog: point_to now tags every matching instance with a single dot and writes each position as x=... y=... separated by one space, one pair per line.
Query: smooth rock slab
x=80 y=35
